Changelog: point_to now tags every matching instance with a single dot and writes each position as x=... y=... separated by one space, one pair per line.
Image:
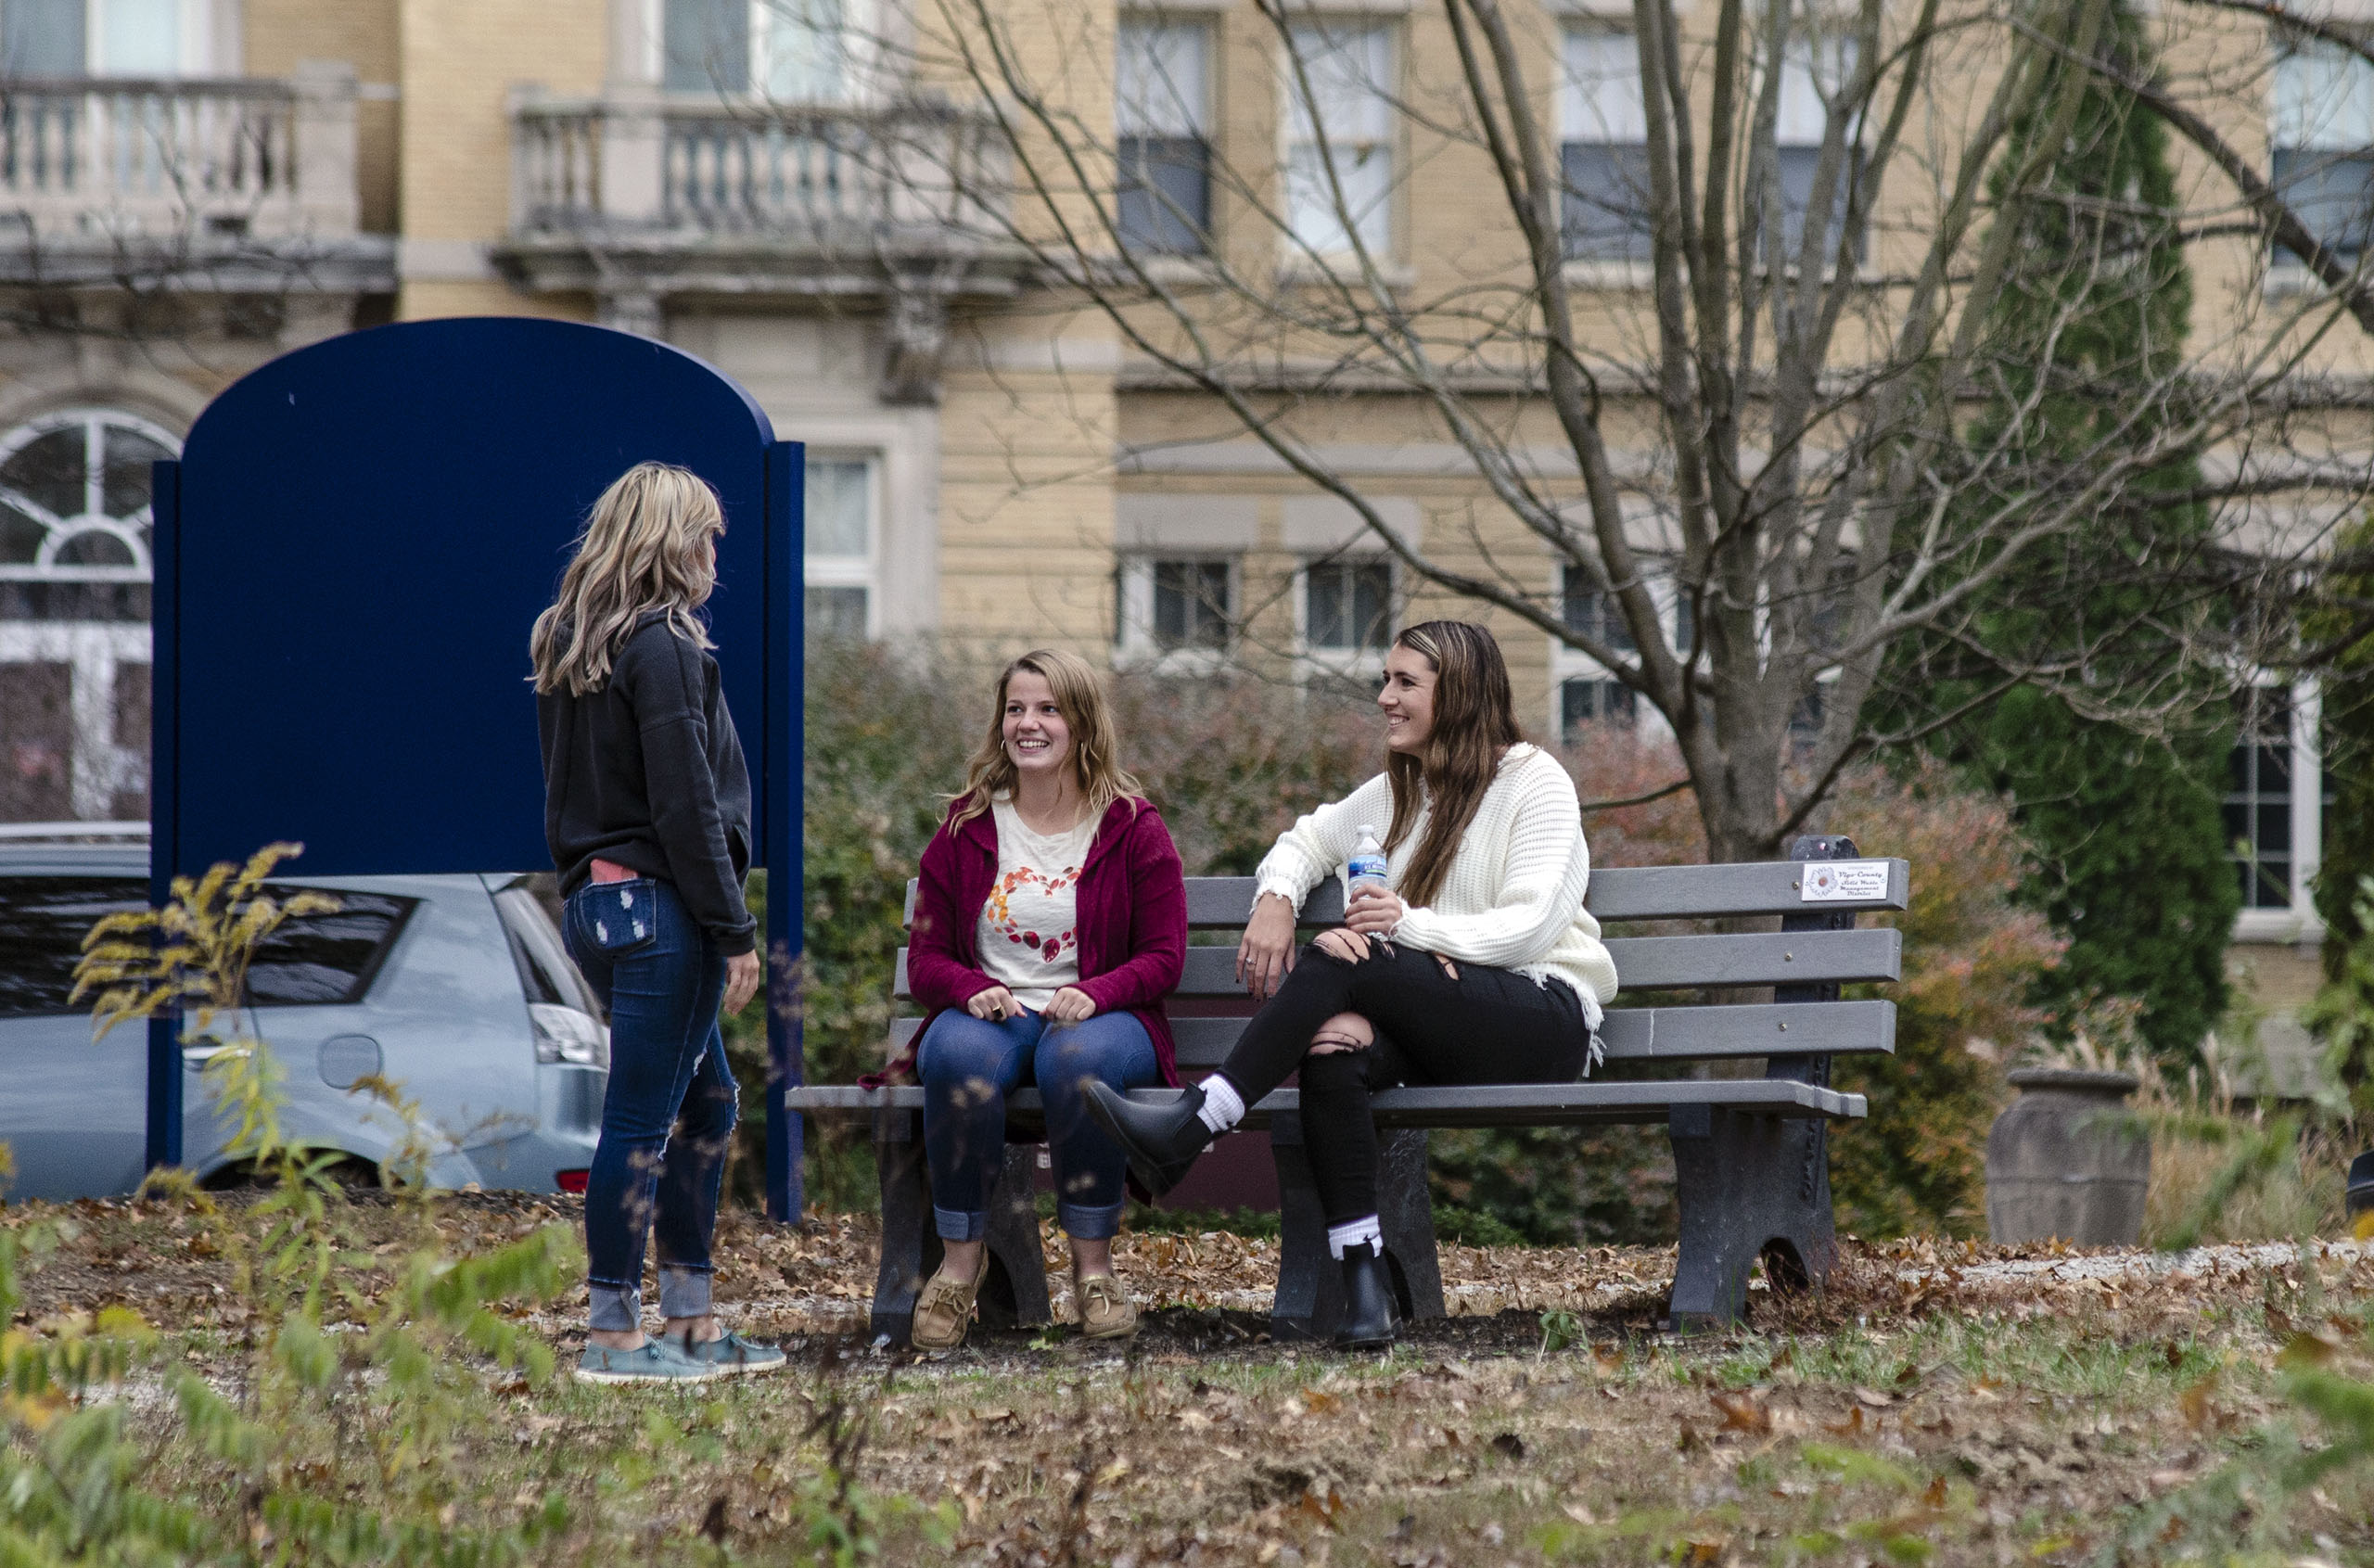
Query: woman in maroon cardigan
x=1050 y=920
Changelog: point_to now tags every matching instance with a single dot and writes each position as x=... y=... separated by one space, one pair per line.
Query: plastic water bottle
x=1368 y=862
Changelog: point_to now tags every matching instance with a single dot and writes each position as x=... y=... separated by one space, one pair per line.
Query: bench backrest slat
x=1630 y=1034
x=1757 y=888
x=1646 y=963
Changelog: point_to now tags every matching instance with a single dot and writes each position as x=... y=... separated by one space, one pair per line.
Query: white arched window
x=74 y=650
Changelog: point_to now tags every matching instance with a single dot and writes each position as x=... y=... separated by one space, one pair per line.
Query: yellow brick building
x=767 y=185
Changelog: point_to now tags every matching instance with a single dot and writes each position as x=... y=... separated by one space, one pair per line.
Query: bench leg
x=1749 y=1187
x=910 y=1241
x=1013 y=1293
x=1310 y=1288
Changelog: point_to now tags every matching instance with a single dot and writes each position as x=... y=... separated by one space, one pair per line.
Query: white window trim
x=1134 y=648
x=853 y=572
x=2301 y=923
x=1351 y=664
x=1298 y=263
x=1567 y=663
x=89 y=415
x=209 y=32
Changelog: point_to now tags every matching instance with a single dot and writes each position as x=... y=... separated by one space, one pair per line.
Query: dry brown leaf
x=2194 y=1402
x=1743 y=1413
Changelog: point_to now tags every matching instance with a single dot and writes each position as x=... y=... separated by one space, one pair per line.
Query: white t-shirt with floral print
x=1029 y=934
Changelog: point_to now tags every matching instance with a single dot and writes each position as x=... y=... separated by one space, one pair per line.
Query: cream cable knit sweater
x=1513 y=897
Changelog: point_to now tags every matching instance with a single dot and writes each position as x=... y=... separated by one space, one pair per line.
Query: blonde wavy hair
x=645 y=548
x=1079 y=698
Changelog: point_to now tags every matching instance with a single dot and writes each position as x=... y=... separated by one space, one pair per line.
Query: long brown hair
x=1475 y=721
x=1079 y=698
x=646 y=548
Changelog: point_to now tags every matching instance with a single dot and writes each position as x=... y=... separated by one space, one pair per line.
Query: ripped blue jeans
x=669 y=1113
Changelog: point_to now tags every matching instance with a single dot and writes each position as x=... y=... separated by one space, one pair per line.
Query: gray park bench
x=1750 y=1152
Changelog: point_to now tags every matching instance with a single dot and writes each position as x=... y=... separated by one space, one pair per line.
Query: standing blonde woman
x=647 y=813
x=1050 y=920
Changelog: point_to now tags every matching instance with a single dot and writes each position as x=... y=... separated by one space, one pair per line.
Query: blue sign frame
x=348 y=557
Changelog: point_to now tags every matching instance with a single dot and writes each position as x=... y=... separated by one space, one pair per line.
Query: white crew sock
x=1364 y=1228
x=1223 y=1107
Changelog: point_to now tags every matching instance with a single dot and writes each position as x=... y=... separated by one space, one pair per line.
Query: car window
x=545 y=972
x=42 y=920
x=320 y=958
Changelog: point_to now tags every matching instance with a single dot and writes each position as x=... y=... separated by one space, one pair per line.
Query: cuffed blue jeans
x=670 y=1111
x=968 y=1066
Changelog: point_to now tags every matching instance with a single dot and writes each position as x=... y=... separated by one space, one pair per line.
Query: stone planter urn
x=2062 y=1162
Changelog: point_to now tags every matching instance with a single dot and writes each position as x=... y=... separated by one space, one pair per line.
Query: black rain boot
x=2361 y=1186
x=1161 y=1140
x=1367 y=1321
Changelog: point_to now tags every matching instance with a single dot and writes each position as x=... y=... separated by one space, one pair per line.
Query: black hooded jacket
x=648 y=772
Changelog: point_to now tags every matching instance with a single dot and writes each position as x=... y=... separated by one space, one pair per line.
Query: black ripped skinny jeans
x=1488 y=1025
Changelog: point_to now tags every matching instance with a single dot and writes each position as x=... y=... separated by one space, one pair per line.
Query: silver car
x=455 y=987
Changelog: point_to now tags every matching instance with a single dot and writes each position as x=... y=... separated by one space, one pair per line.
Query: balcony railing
x=128 y=159
x=810 y=178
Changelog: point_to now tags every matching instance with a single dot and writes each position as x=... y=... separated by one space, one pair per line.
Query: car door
x=73 y=1111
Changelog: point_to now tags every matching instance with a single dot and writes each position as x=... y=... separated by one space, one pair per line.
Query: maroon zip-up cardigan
x=1132 y=922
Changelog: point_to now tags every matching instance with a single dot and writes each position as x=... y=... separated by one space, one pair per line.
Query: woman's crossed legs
x=1393 y=1014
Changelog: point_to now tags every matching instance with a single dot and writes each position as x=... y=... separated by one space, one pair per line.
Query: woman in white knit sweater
x=1476 y=964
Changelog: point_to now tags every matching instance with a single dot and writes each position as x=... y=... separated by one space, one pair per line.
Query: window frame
x=851 y=571
x=1344 y=659
x=1392 y=27
x=1569 y=91
x=2287 y=266
x=1856 y=154
x=859 y=50
x=1206 y=115
x=1134 y=641
x=1568 y=663
x=2298 y=920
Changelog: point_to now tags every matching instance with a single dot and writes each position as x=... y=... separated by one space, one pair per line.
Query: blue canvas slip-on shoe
x=655 y=1360
x=733 y=1356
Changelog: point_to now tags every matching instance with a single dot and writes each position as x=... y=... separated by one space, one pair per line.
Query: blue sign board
x=349 y=557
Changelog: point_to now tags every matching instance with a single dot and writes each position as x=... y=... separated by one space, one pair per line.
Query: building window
x=1163 y=199
x=1603 y=148
x=842 y=528
x=74 y=606
x=1348 y=606
x=1589 y=700
x=2322 y=141
x=1590 y=611
x=53 y=38
x=790 y=51
x=1350 y=69
x=1176 y=605
x=2259 y=815
x=1814 y=71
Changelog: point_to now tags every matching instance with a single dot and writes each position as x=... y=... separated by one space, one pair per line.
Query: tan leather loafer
x=1105 y=1310
x=944 y=1312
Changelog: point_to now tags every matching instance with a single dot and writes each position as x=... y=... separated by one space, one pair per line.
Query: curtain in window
x=1161 y=88
x=1349 y=72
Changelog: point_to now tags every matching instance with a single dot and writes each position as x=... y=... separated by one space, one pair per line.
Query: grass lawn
x=1939 y=1404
